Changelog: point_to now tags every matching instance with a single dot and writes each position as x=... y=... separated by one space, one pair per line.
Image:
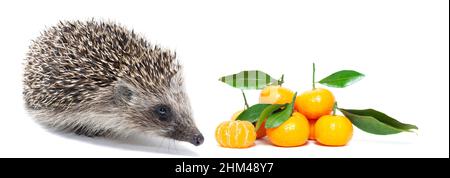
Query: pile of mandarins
x=313 y=118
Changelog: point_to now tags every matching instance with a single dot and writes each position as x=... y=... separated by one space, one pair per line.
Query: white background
x=401 y=46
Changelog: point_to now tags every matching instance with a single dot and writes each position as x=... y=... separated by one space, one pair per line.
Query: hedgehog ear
x=177 y=79
x=122 y=91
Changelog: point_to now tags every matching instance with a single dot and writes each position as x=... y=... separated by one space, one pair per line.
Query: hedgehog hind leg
x=104 y=133
x=85 y=131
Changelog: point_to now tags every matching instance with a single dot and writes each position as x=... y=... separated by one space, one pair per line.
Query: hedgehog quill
x=96 y=78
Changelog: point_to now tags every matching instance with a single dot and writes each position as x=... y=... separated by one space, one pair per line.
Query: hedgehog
x=100 y=79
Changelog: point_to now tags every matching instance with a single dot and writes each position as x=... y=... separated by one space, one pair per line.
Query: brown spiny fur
x=98 y=78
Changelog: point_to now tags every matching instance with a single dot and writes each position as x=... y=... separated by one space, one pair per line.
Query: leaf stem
x=292 y=103
x=281 y=81
x=314 y=76
x=334 y=108
x=245 y=99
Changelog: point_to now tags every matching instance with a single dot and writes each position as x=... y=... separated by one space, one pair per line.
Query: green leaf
x=342 y=78
x=279 y=118
x=252 y=113
x=252 y=79
x=375 y=122
x=266 y=112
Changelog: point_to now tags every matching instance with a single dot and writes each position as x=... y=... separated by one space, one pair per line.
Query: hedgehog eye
x=163 y=112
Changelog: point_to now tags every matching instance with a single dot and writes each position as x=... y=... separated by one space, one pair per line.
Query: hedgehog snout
x=197 y=139
x=188 y=134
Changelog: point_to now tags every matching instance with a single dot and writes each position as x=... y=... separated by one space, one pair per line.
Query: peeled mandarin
x=236 y=134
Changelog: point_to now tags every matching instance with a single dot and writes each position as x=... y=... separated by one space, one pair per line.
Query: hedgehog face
x=164 y=111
